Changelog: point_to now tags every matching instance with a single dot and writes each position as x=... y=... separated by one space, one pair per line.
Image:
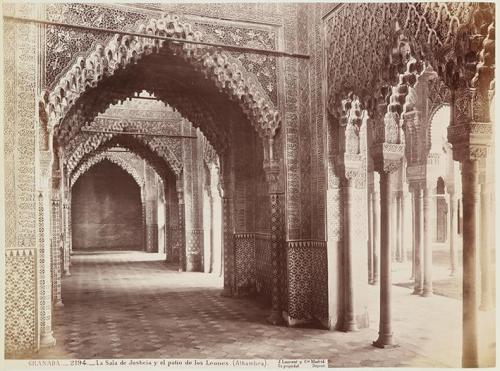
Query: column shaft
x=349 y=319
x=427 y=242
x=417 y=241
x=486 y=292
x=402 y=227
x=376 y=236
x=453 y=231
x=370 y=234
x=470 y=199
x=385 y=338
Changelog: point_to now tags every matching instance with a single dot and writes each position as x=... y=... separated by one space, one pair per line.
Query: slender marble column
x=376 y=236
x=385 y=338
x=398 y=236
x=417 y=240
x=486 y=292
x=452 y=238
x=212 y=232
x=349 y=319
x=370 y=244
x=470 y=200
x=402 y=227
x=413 y=245
x=394 y=223
x=427 y=243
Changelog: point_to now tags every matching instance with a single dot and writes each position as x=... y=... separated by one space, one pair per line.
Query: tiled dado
x=263 y=267
x=244 y=271
x=20 y=301
x=194 y=250
x=307 y=280
x=174 y=241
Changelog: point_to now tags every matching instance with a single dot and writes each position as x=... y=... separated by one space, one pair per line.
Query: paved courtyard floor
x=133 y=305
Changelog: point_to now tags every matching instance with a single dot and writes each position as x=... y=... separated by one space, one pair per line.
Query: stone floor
x=132 y=305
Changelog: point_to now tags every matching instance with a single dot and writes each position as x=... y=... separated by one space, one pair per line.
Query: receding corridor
x=129 y=304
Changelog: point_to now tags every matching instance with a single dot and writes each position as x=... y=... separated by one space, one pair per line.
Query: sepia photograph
x=265 y=185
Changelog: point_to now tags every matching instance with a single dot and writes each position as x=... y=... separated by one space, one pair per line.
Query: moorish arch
x=111 y=157
x=121 y=53
x=441 y=35
x=86 y=143
x=218 y=97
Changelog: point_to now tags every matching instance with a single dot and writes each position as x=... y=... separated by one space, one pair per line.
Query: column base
x=47 y=340
x=385 y=341
x=470 y=362
x=67 y=274
x=350 y=326
x=59 y=304
x=417 y=291
x=275 y=318
x=427 y=293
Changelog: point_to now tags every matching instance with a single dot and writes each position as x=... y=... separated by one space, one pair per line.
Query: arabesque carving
x=90 y=142
x=115 y=158
x=122 y=51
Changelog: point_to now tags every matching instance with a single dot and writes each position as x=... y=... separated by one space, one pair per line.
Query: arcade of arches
x=239 y=202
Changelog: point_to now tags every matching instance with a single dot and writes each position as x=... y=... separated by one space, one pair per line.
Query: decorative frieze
x=226 y=72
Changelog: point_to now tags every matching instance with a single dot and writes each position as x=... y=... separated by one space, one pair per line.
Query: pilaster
x=272 y=169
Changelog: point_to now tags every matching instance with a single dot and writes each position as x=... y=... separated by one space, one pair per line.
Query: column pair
x=421 y=238
x=470 y=134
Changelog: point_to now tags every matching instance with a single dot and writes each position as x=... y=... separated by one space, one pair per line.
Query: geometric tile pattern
x=194 y=249
x=126 y=304
x=20 y=299
x=263 y=264
x=244 y=246
x=307 y=279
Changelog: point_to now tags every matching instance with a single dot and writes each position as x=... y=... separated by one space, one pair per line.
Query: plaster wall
x=106 y=210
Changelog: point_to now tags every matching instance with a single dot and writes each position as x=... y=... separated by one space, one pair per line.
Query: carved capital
x=387 y=157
